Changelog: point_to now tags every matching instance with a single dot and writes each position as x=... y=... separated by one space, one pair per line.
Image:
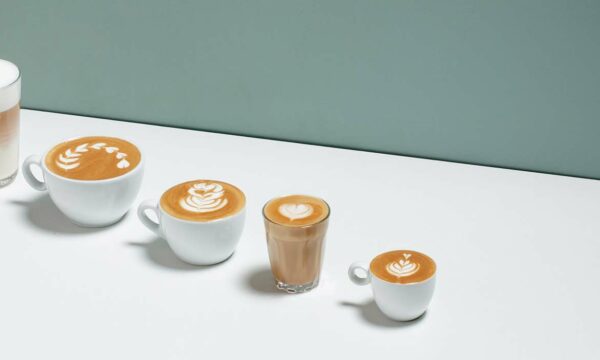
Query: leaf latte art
x=295 y=211
x=403 y=267
x=71 y=158
x=204 y=197
x=93 y=158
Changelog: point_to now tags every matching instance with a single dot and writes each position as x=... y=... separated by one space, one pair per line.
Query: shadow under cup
x=296 y=254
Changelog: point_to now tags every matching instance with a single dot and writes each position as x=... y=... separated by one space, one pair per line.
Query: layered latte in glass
x=10 y=97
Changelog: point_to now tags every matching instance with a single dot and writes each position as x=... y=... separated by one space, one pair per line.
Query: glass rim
x=294 y=226
x=17 y=79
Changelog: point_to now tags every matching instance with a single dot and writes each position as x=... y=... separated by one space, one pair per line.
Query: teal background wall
x=512 y=83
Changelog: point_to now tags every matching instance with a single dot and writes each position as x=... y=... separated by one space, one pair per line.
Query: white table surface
x=518 y=258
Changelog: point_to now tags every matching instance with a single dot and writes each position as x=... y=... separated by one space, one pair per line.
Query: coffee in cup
x=93 y=158
x=202 y=220
x=403 y=282
x=296 y=226
x=93 y=180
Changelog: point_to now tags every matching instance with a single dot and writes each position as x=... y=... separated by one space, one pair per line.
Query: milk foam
x=10 y=85
x=71 y=158
x=403 y=267
x=204 y=197
x=295 y=211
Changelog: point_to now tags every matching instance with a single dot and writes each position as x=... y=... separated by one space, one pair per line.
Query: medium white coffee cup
x=88 y=203
x=398 y=301
x=204 y=242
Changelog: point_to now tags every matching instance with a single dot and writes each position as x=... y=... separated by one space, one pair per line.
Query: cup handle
x=359 y=280
x=141 y=212
x=29 y=177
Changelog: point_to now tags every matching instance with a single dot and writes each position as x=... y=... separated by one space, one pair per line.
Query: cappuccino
x=93 y=158
x=203 y=200
x=202 y=220
x=296 y=210
x=10 y=95
x=403 y=267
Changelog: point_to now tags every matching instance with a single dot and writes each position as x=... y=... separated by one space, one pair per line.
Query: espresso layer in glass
x=403 y=266
x=296 y=210
x=93 y=158
x=203 y=200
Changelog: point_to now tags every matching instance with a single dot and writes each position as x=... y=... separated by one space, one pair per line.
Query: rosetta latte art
x=71 y=158
x=204 y=197
x=403 y=267
x=295 y=211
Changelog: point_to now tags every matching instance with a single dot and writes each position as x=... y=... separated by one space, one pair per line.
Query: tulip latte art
x=93 y=158
x=203 y=200
x=403 y=266
x=296 y=210
x=204 y=197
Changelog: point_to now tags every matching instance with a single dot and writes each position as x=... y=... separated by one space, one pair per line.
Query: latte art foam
x=403 y=266
x=204 y=197
x=203 y=200
x=93 y=158
x=296 y=210
x=71 y=158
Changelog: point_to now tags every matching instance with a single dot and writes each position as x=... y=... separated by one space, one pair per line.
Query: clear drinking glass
x=10 y=97
x=296 y=252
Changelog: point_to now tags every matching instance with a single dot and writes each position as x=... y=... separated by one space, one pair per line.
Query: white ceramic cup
x=195 y=242
x=400 y=302
x=88 y=203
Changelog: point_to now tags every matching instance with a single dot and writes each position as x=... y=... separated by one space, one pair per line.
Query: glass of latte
x=10 y=97
x=93 y=180
x=296 y=226
x=403 y=282
x=202 y=220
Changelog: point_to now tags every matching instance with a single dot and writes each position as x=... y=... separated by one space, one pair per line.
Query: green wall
x=511 y=83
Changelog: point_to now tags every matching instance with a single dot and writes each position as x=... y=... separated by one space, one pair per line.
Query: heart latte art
x=295 y=211
x=204 y=197
x=203 y=200
x=93 y=158
x=402 y=267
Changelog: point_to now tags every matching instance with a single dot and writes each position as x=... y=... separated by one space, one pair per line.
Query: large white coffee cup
x=88 y=203
x=195 y=242
x=401 y=302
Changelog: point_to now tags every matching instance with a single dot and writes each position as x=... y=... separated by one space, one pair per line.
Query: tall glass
x=10 y=97
x=296 y=245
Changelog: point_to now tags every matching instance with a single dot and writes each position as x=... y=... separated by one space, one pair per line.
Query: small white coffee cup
x=195 y=242
x=400 y=302
x=87 y=203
